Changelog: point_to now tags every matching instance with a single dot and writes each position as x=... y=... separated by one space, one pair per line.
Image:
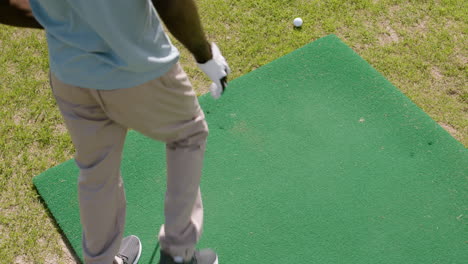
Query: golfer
x=112 y=68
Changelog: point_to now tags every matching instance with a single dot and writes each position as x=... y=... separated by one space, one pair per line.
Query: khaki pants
x=165 y=109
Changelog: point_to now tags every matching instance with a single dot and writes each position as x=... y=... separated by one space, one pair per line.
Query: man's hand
x=17 y=13
x=217 y=69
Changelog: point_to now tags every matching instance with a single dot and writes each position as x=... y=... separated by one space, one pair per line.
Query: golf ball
x=298 y=22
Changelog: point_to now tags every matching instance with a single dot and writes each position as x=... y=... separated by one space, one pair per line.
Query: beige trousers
x=165 y=109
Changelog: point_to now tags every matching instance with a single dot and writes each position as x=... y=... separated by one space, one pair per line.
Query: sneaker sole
x=216 y=261
x=139 y=252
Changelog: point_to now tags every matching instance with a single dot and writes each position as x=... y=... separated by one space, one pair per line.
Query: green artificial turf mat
x=313 y=158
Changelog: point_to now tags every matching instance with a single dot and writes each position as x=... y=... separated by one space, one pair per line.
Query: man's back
x=105 y=44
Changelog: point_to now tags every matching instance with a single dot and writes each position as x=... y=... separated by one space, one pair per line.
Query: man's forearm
x=182 y=19
x=17 y=13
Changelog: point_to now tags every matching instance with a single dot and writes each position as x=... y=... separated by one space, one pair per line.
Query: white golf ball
x=298 y=22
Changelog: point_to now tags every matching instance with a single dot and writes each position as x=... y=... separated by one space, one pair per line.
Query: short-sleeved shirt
x=105 y=44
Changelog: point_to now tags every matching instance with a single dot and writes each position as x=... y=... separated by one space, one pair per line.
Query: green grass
x=420 y=46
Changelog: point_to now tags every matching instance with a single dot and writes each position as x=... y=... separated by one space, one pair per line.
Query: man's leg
x=167 y=109
x=99 y=142
x=183 y=206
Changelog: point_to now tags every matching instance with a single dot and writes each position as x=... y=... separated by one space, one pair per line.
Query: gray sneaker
x=130 y=250
x=205 y=256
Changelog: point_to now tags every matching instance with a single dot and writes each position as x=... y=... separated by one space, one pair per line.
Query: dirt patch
x=436 y=74
x=67 y=255
x=60 y=129
x=389 y=35
x=421 y=26
x=20 y=260
x=462 y=59
x=453 y=131
x=11 y=69
x=41 y=75
x=17 y=119
x=3 y=234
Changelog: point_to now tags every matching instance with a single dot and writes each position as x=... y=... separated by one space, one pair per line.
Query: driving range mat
x=312 y=158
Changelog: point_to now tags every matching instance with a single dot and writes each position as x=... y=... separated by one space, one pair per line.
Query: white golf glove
x=217 y=70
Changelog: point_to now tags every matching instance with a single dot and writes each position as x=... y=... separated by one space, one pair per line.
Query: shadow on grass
x=297 y=28
x=76 y=258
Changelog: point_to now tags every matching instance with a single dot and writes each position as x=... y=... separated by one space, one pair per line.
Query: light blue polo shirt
x=105 y=44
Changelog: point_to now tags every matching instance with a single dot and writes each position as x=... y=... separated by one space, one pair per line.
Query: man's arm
x=182 y=19
x=17 y=13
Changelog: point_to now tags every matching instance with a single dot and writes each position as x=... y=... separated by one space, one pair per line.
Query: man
x=113 y=68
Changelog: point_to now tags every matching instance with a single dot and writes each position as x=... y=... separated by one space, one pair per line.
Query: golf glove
x=217 y=70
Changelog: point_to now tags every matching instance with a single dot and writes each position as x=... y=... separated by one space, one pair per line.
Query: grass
x=420 y=46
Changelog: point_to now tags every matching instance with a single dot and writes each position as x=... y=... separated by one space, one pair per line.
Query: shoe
x=205 y=256
x=130 y=251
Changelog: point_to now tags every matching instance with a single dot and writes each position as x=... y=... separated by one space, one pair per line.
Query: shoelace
x=124 y=258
